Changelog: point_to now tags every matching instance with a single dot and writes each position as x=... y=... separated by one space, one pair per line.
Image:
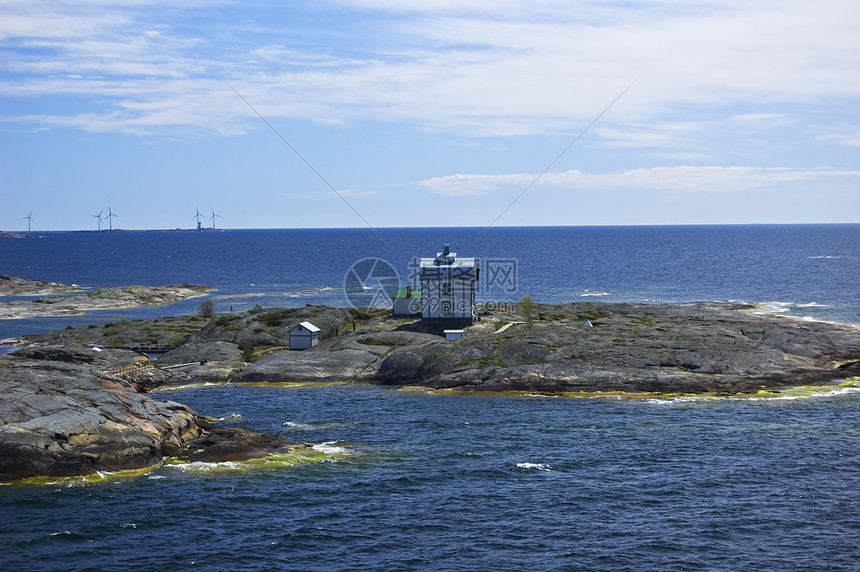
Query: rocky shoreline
x=64 y=412
x=14 y=286
x=77 y=302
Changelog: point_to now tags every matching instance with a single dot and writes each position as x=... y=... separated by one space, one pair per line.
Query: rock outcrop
x=271 y=327
x=64 y=420
x=60 y=419
x=699 y=348
x=100 y=299
x=341 y=360
x=61 y=414
x=14 y=286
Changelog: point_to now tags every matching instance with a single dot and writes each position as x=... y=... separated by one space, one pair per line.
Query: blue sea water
x=448 y=482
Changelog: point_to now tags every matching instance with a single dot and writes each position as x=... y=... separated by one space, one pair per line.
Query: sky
x=406 y=113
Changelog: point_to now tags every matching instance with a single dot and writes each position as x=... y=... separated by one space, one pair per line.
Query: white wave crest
x=330 y=448
x=836 y=392
x=201 y=467
x=534 y=466
x=788 y=395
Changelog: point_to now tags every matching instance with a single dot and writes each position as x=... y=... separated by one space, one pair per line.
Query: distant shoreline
x=71 y=300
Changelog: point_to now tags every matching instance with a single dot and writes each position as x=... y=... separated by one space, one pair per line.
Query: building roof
x=306 y=325
x=452 y=267
x=401 y=293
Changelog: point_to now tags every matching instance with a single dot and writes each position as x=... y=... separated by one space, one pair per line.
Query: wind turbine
x=109 y=216
x=212 y=218
x=29 y=218
x=99 y=216
x=197 y=216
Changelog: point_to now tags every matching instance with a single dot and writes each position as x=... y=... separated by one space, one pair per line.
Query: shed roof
x=401 y=293
x=308 y=326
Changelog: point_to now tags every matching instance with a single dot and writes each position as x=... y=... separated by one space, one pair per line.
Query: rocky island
x=77 y=302
x=65 y=409
x=15 y=286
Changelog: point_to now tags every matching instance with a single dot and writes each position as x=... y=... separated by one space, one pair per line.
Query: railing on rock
x=136 y=367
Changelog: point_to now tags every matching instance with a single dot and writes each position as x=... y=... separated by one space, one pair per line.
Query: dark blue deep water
x=447 y=482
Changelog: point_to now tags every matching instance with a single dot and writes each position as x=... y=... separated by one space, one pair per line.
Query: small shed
x=304 y=336
x=407 y=302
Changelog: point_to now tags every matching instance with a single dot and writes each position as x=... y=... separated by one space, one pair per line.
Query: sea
x=429 y=481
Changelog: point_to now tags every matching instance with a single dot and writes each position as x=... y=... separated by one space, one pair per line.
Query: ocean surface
x=447 y=482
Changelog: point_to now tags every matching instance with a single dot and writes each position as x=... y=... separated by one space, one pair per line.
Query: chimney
x=446 y=250
x=408 y=291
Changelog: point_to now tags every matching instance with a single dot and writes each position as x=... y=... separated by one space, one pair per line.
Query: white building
x=448 y=286
x=304 y=336
x=407 y=302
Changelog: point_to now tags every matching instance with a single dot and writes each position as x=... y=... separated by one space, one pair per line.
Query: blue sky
x=428 y=113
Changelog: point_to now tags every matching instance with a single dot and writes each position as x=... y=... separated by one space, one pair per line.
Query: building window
x=446 y=287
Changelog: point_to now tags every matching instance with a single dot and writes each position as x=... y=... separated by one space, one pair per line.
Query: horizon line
x=620 y=225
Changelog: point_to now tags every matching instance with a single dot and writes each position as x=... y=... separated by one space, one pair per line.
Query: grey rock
x=197 y=352
x=342 y=364
x=100 y=299
x=253 y=336
x=59 y=419
x=694 y=348
x=102 y=358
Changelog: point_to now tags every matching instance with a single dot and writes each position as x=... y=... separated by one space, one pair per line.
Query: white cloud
x=692 y=179
x=848 y=138
x=471 y=68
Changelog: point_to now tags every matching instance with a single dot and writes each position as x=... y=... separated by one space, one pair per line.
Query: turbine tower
x=29 y=219
x=109 y=216
x=99 y=216
x=212 y=218
x=197 y=216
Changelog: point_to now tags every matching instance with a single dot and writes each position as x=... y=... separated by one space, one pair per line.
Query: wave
x=793 y=394
x=305 y=453
x=330 y=448
x=590 y=293
x=305 y=292
x=201 y=467
x=836 y=392
x=534 y=466
x=298 y=426
x=777 y=307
